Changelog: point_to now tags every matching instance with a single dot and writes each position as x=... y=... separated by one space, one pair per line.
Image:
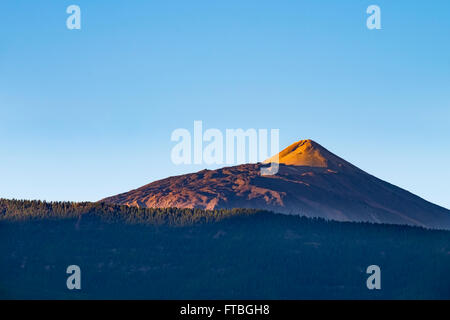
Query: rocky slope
x=311 y=181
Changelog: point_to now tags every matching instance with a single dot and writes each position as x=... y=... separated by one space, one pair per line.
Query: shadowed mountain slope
x=311 y=181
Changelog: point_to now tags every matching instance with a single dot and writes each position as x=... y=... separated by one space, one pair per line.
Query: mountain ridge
x=311 y=181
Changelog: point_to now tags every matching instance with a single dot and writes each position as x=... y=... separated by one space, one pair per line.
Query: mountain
x=311 y=181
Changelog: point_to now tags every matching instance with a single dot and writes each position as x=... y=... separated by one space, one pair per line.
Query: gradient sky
x=86 y=114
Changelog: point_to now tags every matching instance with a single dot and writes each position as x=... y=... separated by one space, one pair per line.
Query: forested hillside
x=190 y=254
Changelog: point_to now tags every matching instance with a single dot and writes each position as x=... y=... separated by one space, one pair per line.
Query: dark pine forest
x=135 y=253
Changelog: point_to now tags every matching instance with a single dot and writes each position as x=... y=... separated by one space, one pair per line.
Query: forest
x=135 y=253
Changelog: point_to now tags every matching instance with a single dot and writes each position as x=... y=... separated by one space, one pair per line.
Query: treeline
x=254 y=256
x=244 y=254
x=25 y=210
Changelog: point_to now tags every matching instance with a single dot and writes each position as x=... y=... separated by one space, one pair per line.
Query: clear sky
x=86 y=114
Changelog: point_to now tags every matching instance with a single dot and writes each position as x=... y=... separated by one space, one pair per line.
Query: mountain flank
x=311 y=181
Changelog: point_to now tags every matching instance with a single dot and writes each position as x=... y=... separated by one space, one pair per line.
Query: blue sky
x=88 y=113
